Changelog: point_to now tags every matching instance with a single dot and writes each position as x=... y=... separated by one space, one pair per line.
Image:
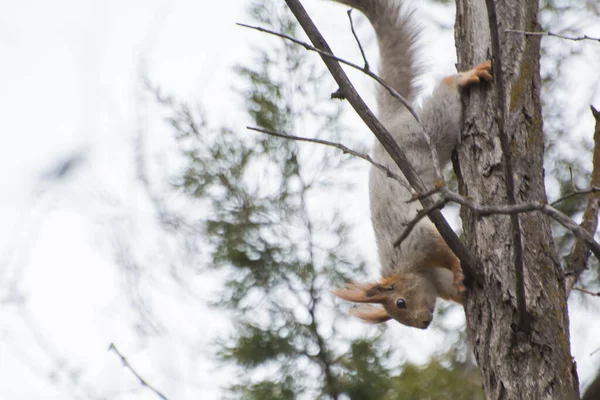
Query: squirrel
x=423 y=267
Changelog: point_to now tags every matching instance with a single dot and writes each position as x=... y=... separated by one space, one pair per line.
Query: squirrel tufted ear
x=363 y=292
x=369 y=314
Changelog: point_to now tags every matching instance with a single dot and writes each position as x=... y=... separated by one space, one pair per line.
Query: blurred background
x=137 y=210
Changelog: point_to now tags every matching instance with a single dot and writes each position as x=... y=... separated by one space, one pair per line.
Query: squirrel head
x=409 y=300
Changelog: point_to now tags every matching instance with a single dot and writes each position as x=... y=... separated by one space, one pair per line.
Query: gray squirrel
x=423 y=268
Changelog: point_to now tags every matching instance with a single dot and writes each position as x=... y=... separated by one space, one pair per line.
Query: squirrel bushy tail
x=397 y=34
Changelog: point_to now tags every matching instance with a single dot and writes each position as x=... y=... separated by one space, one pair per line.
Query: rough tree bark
x=527 y=355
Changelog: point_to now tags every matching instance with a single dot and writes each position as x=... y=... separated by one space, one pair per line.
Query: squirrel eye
x=400 y=303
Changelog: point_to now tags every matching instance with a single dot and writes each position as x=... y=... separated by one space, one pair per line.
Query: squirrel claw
x=481 y=71
x=458 y=286
x=459 y=296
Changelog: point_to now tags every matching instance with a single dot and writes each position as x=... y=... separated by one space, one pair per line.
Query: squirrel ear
x=371 y=315
x=364 y=292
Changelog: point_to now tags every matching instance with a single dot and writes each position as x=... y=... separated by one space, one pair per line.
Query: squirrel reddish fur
x=423 y=268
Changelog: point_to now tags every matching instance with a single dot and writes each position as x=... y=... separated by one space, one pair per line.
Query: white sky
x=69 y=86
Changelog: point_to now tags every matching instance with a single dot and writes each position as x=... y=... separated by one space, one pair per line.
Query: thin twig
x=434 y=156
x=582 y=290
x=339 y=94
x=420 y=196
x=330 y=55
x=507 y=209
x=575 y=39
x=523 y=316
x=579 y=255
x=362 y=51
x=420 y=215
x=340 y=146
x=468 y=263
x=574 y=193
x=143 y=382
x=572 y=180
x=510 y=209
x=481 y=210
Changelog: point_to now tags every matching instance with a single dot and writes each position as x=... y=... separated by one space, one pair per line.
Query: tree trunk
x=527 y=357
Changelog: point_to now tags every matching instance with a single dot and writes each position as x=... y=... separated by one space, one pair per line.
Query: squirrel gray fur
x=423 y=267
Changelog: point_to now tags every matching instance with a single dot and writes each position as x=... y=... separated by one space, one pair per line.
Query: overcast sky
x=71 y=104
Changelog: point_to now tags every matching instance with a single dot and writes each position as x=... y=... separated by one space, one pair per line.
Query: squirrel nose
x=427 y=322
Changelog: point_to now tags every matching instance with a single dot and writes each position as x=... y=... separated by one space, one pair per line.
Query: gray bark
x=517 y=361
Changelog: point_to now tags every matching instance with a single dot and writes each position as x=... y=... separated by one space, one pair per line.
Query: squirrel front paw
x=458 y=285
x=459 y=294
x=474 y=76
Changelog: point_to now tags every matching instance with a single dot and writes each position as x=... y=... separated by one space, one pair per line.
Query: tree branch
x=328 y=54
x=597 y=294
x=578 y=258
x=143 y=382
x=420 y=215
x=426 y=135
x=575 y=39
x=486 y=210
x=524 y=321
x=576 y=192
x=338 y=95
x=482 y=211
x=340 y=146
x=362 y=51
x=467 y=262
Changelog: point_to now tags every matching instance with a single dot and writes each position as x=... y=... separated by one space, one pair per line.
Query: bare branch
x=330 y=55
x=510 y=209
x=574 y=193
x=362 y=51
x=419 y=196
x=480 y=210
x=578 y=258
x=582 y=290
x=143 y=382
x=573 y=227
x=339 y=94
x=572 y=180
x=468 y=263
x=340 y=146
x=420 y=215
x=486 y=210
x=524 y=320
x=575 y=39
